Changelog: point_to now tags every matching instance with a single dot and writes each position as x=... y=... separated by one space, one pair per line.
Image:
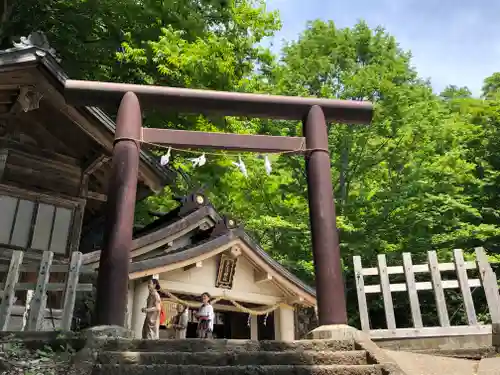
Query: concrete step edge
x=187 y=367
x=240 y=370
x=306 y=352
x=197 y=345
x=310 y=357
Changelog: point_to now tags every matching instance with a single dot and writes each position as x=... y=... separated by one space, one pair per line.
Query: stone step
x=237 y=370
x=199 y=345
x=359 y=357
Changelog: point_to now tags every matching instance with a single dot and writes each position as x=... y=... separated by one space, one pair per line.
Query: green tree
x=454 y=92
x=491 y=85
x=88 y=34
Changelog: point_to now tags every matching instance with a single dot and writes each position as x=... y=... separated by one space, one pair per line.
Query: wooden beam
x=235 y=251
x=31 y=123
x=95 y=164
x=224 y=103
x=417 y=268
x=52 y=287
x=294 y=300
x=98 y=133
x=89 y=170
x=195 y=289
x=97 y=196
x=410 y=333
x=194 y=265
x=59 y=268
x=27 y=100
x=241 y=142
x=262 y=277
x=422 y=285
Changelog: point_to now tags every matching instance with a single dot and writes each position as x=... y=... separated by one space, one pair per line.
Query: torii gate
x=112 y=281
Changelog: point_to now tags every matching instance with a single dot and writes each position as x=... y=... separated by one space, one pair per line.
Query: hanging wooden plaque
x=225 y=272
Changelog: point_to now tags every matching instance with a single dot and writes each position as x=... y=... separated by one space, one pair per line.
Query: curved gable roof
x=220 y=239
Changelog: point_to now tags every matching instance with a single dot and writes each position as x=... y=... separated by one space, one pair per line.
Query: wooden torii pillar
x=114 y=262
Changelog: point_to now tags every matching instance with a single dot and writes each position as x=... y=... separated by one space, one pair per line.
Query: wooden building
x=192 y=250
x=54 y=163
x=54 y=168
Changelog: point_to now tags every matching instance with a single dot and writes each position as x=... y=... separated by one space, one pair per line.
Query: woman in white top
x=205 y=318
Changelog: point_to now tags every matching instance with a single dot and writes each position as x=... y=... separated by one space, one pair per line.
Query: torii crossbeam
x=113 y=267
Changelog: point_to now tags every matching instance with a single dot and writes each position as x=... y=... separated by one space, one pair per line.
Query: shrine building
x=192 y=250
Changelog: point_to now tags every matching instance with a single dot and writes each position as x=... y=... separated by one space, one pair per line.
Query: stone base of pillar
x=495 y=337
x=335 y=332
x=95 y=337
x=108 y=332
x=361 y=340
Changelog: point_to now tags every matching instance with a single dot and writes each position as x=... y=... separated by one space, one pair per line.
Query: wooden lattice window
x=38 y=222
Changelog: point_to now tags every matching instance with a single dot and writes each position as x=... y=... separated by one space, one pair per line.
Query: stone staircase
x=231 y=357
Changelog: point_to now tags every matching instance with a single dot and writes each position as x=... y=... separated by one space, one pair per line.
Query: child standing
x=205 y=318
x=181 y=321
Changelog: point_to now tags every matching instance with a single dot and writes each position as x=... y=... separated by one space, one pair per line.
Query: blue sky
x=452 y=41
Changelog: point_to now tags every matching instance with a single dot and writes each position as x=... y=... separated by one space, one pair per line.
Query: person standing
x=181 y=321
x=151 y=327
x=205 y=318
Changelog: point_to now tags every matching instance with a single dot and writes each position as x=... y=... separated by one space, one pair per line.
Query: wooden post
x=386 y=292
x=112 y=282
x=29 y=297
x=330 y=290
x=70 y=290
x=411 y=287
x=40 y=292
x=10 y=289
x=40 y=319
x=437 y=286
x=463 y=281
x=490 y=284
x=360 y=291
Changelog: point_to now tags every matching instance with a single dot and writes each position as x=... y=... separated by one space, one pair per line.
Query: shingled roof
x=217 y=232
x=207 y=246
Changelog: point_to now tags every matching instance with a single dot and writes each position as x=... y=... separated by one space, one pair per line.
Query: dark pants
x=203 y=330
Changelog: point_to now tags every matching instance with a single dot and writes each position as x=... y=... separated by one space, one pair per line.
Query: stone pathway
x=489 y=366
x=425 y=364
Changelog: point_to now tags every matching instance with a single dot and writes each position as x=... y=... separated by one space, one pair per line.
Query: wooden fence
x=36 y=296
x=487 y=281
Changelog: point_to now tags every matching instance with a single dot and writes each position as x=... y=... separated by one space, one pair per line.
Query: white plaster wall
x=244 y=279
x=284 y=324
x=139 y=301
x=130 y=305
x=205 y=276
x=254 y=328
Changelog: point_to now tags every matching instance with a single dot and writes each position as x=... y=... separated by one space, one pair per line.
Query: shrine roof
x=178 y=257
x=211 y=233
x=52 y=78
